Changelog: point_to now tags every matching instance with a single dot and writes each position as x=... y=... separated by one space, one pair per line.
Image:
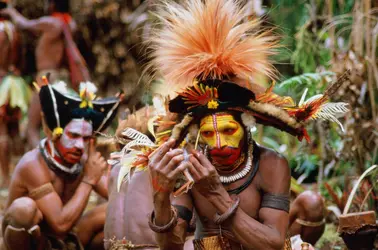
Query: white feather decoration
x=138 y=139
x=61 y=87
x=88 y=87
x=131 y=151
x=331 y=111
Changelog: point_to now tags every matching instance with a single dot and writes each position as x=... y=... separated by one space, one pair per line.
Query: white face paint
x=74 y=141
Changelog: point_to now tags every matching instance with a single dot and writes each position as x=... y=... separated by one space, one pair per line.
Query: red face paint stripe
x=216 y=130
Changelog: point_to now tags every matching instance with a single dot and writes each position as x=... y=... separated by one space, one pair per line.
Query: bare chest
x=250 y=202
x=65 y=188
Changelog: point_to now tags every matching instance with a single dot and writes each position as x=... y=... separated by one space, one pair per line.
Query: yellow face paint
x=221 y=130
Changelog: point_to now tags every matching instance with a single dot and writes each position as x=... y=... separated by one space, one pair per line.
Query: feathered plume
x=319 y=106
x=134 y=154
x=208 y=39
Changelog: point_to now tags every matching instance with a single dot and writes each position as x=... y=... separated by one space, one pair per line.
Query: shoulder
x=274 y=169
x=50 y=24
x=31 y=170
x=271 y=160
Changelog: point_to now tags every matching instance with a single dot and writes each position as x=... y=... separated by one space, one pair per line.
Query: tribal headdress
x=213 y=50
x=59 y=107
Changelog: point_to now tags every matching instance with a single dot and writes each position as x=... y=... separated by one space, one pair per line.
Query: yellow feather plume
x=210 y=39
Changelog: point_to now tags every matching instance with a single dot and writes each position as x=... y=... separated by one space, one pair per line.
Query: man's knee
x=312 y=204
x=23 y=213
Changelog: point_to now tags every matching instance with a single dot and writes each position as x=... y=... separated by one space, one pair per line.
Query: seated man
x=51 y=184
x=240 y=190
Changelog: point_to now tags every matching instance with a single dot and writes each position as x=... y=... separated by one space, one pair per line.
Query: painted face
x=74 y=140
x=224 y=135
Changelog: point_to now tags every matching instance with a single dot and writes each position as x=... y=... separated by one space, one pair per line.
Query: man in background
x=56 y=53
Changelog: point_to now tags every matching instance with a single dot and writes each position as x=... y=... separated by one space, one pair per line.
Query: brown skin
x=251 y=226
x=4 y=153
x=130 y=221
x=308 y=206
x=50 y=32
x=5 y=52
x=7 y=61
x=59 y=211
x=51 y=42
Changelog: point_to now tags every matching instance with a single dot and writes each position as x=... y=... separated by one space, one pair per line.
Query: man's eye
x=207 y=133
x=72 y=135
x=229 y=131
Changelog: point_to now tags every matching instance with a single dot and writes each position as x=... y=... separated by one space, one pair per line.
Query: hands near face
x=95 y=165
x=205 y=176
x=167 y=164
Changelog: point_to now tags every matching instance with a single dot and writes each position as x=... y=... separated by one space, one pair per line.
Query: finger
x=169 y=156
x=92 y=147
x=199 y=168
x=203 y=160
x=162 y=150
x=175 y=173
x=173 y=163
x=194 y=172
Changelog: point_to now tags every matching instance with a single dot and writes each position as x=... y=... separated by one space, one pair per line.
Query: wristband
x=88 y=183
x=166 y=228
x=219 y=219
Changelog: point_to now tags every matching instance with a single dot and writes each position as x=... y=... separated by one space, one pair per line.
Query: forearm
x=175 y=238
x=19 y=20
x=74 y=208
x=248 y=231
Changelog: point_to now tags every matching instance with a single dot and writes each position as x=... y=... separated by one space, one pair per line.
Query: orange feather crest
x=210 y=39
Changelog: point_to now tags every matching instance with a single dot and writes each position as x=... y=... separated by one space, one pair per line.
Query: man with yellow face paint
x=224 y=137
x=241 y=189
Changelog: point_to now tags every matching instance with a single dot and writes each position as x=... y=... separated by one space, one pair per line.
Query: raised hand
x=165 y=166
x=206 y=177
x=95 y=165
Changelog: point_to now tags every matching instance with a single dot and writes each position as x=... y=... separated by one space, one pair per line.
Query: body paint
x=74 y=141
x=224 y=135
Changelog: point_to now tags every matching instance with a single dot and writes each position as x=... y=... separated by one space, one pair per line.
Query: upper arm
x=39 y=25
x=274 y=179
x=50 y=204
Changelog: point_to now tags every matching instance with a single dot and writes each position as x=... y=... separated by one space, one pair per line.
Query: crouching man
x=51 y=184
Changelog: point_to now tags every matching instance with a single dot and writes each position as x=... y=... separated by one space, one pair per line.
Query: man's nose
x=79 y=143
x=220 y=141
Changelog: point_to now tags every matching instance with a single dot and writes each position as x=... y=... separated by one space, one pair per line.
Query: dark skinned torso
x=32 y=164
x=51 y=42
x=250 y=199
x=5 y=48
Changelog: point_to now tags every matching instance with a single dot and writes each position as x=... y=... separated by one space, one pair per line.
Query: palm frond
x=306 y=79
